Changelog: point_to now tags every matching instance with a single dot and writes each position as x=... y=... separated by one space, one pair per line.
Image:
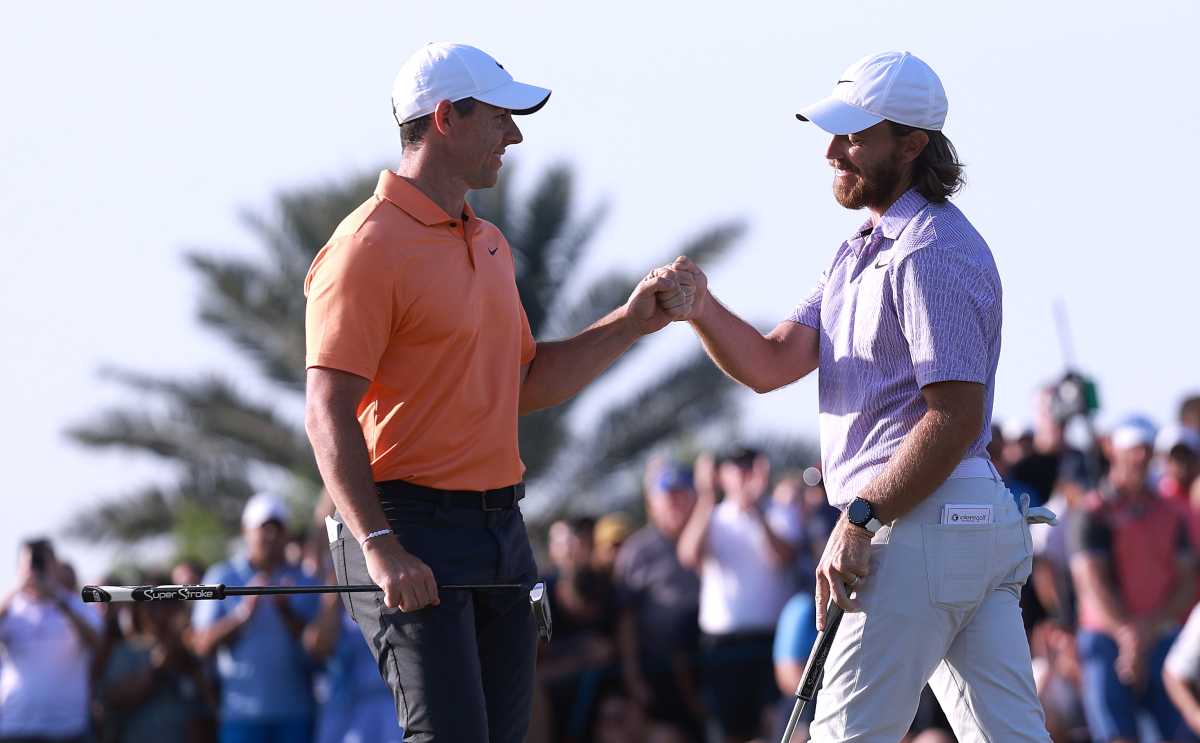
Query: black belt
x=498 y=499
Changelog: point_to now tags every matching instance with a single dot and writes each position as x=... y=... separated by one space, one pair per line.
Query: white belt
x=974 y=467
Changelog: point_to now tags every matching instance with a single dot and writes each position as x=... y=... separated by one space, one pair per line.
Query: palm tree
x=221 y=442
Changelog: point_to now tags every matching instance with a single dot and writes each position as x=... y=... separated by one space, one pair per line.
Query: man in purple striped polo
x=903 y=328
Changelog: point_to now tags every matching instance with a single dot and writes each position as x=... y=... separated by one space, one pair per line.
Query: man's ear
x=442 y=117
x=912 y=145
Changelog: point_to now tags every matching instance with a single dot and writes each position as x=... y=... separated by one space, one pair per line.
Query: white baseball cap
x=263 y=507
x=444 y=71
x=1135 y=431
x=891 y=85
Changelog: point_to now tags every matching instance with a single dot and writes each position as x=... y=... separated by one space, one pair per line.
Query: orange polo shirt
x=424 y=305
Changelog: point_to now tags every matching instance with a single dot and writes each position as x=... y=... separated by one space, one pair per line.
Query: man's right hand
x=407 y=582
x=697 y=282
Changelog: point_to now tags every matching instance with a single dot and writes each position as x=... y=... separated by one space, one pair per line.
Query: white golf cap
x=444 y=71
x=263 y=507
x=891 y=85
x=1134 y=432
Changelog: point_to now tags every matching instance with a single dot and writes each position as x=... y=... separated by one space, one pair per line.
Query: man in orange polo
x=420 y=358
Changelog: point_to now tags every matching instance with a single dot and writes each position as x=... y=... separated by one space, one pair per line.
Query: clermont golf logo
x=971 y=518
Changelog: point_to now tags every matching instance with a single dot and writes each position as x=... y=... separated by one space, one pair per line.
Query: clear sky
x=131 y=135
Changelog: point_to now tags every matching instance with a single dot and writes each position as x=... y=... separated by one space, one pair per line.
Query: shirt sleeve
x=808 y=312
x=1183 y=660
x=1089 y=534
x=349 y=315
x=87 y=613
x=528 y=344
x=797 y=629
x=1183 y=541
x=949 y=312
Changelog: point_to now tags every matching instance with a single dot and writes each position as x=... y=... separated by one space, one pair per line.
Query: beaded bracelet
x=380 y=533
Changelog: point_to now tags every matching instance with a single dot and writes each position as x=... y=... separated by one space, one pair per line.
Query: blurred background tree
x=221 y=442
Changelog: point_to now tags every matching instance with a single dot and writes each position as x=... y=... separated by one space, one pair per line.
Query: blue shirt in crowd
x=265 y=673
x=360 y=706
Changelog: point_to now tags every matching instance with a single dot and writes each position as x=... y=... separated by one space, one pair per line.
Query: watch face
x=859 y=513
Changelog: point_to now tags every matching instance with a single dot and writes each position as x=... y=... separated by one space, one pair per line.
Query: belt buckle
x=483 y=494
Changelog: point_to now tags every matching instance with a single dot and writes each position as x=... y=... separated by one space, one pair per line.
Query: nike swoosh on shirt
x=492 y=251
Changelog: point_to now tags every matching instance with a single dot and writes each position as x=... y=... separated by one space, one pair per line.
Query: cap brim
x=838 y=117
x=516 y=97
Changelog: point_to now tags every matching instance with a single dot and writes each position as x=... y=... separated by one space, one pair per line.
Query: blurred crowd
x=690 y=624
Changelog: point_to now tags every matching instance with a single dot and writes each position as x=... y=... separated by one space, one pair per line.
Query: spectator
x=583 y=646
x=1189 y=413
x=619 y=719
x=264 y=671
x=1178 y=459
x=1018 y=443
x=743 y=549
x=46 y=639
x=610 y=533
x=187 y=573
x=995 y=450
x=1181 y=672
x=1058 y=677
x=658 y=600
x=794 y=638
x=1037 y=472
x=358 y=705
x=789 y=493
x=152 y=687
x=1051 y=580
x=1134 y=576
x=817 y=519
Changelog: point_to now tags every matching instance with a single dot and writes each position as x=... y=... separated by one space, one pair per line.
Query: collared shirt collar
x=899 y=214
x=894 y=220
x=414 y=202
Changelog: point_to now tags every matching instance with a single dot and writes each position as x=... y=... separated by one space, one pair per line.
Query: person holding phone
x=47 y=637
x=743 y=549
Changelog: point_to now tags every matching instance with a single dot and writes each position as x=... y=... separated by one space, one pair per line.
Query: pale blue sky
x=133 y=134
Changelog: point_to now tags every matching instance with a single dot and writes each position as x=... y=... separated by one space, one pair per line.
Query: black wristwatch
x=862 y=513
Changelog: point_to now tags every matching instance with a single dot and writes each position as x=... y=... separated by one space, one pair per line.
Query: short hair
x=1189 y=411
x=937 y=171
x=413 y=132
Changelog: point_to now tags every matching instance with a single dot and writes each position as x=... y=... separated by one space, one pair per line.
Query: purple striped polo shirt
x=913 y=301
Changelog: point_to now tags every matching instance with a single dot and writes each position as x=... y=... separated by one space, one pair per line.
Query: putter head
x=539 y=603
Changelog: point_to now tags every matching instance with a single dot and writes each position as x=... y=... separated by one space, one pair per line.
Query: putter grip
x=816 y=659
x=108 y=594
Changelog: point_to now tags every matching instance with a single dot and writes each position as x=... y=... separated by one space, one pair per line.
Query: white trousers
x=939 y=607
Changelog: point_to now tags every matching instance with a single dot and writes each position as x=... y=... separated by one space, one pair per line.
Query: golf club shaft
x=814 y=668
x=218 y=591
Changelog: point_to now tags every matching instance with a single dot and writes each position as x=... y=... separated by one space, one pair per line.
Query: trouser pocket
x=958 y=563
x=337 y=549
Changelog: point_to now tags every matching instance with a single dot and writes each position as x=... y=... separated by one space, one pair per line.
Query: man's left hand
x=845 y=564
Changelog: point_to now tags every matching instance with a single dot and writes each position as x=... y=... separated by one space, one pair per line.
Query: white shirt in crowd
x=43 y=669
x=740 y=589
x=1184 y=659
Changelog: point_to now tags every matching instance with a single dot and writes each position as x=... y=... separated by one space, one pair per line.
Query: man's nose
x=514 y=134
x=837 y=148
